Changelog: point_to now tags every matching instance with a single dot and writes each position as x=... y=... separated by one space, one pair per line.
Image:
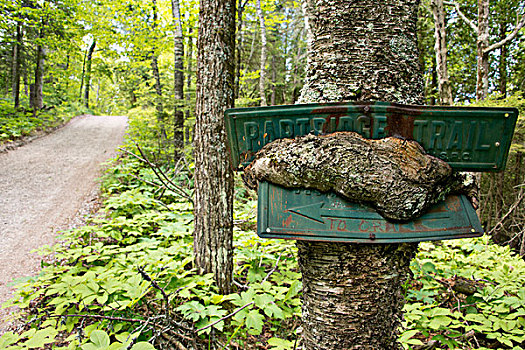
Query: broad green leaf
x=280 y=344
x=254 y=321
x=42 y=337
x=143 y=346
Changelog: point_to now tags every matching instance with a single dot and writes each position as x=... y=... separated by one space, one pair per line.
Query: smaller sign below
x=311 y=215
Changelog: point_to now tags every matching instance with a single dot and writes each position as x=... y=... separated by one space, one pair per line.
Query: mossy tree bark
x=353 y=294
x=213 y=172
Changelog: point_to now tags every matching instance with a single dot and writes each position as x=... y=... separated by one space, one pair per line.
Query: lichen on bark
x=394 y=176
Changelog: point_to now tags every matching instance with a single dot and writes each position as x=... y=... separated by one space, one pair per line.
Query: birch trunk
x=262 y=78
x=482 y=81
x=353 y=294
x=178 y=80
x=213 y=209
x=440 y=47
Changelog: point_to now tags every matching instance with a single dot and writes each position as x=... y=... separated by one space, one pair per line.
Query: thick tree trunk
x=88 y=72
x=353 y=294
x=17 y=58
x=213 y=170
x=440 y=47
x=482 y=82
x=395 y=176
x=262 y=77
x=178 y=80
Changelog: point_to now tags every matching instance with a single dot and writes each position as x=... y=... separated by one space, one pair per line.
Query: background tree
x=213 y=234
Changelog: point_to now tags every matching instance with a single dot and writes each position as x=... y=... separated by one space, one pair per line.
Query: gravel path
x=43 y=185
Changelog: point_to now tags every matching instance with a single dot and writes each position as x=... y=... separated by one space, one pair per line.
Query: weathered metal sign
x=474 y=139
x=310 y=215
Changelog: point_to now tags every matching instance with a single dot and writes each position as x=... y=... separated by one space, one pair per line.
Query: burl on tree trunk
x=394 y=176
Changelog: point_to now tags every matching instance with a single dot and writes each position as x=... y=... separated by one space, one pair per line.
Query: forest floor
x=46 y=186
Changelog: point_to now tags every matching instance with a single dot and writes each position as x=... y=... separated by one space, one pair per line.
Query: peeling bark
x=395 y=176
x=353 y=294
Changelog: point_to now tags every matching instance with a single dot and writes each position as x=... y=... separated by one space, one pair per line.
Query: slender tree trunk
x=482 y=82
x=178 y=52
x=156 y=74
x=262 y=78
x=178 y=80
x=434 y=85
x=17 y=58
x=38 y=97
x=188 y=84
x=353 y=294
x=240 y=44
x=82 y=76
x=440 y=47
x=158 y=87
x=88 y=72
x=274 y=83
x=213 y=171
x=503 y=61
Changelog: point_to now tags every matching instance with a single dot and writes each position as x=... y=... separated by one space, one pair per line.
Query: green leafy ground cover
x=127 y=281
x=17 y=123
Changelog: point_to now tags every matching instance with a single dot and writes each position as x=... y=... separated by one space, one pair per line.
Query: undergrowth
x=127 y=280
x=17 y=123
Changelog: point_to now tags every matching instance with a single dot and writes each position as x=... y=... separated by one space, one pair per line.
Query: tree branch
x=462 y=15
x=225 y=317
x=519 y=24
x=521 y=196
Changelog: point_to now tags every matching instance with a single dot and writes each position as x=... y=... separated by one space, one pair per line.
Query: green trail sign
x=468 y=138
x=311 y=215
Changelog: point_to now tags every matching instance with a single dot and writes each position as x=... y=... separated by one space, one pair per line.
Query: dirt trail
x=43 y=185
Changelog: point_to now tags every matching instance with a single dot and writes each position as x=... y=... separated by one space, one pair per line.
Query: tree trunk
x=178 y=80
x=262 y=77
x=17 y=58
x=482 y=82
x=440 y=47
x=188 y=84
x=503 y=61
x=88 y=73
x=37 y=101
x=158 y=87
x=394 y=176
x=240 y=43
x=213 y=171
x=156 y=74
x=353 y=294
x=82 y=76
